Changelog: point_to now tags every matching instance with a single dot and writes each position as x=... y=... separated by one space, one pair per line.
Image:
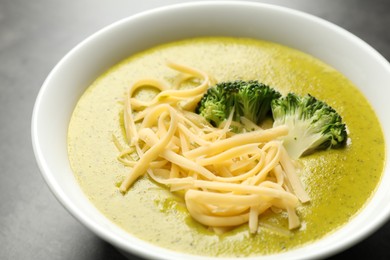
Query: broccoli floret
x=313 y=125
x=250 y=99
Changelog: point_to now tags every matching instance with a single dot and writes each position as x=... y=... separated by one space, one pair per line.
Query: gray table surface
x=34 y=35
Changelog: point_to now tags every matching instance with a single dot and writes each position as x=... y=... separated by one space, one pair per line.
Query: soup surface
x=339 y=182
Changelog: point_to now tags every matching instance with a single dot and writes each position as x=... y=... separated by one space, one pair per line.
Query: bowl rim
x=112 y=238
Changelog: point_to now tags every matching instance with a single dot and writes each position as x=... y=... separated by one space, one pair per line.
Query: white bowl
x=68 y=80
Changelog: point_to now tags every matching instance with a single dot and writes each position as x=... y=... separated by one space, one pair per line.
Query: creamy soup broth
x=339 y=182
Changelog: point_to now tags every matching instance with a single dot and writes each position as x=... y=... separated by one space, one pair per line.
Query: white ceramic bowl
x=69 y=79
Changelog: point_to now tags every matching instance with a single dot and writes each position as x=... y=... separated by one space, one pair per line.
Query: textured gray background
x=34 y=35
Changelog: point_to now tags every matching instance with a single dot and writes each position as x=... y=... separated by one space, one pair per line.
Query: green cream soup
x=339 y=182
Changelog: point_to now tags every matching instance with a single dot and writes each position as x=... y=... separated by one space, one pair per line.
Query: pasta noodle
x=227 y=178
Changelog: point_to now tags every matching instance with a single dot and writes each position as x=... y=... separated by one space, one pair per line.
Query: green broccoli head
x=254 y=100
x=313 y=125
x=214 y=111
x=212 y=106
x=250 y=99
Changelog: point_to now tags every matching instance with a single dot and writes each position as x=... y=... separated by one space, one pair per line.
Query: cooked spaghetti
x=226 y=178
